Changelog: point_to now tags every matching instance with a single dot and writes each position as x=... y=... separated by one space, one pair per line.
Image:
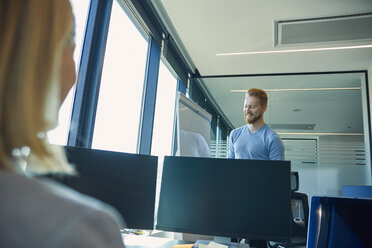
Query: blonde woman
x=36 y=72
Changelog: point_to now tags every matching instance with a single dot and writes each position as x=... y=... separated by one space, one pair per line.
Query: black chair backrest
x=300 y=211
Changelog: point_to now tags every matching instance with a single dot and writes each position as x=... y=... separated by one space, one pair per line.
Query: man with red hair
x=256 y=140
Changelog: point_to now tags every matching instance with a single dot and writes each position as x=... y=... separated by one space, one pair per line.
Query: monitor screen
x=226 y=197
x=125 y=181
x=337 y=222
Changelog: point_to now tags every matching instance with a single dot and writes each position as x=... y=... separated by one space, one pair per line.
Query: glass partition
x=321 y=118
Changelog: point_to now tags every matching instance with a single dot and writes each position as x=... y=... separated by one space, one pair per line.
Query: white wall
x=329 y=175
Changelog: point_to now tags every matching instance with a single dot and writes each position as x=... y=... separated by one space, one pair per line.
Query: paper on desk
x=183 y=246
x=213 y=244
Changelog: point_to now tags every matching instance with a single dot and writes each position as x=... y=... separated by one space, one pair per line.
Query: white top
x=193 y=145
x=42 y=213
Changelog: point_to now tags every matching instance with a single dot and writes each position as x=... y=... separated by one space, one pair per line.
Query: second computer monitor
x=226 y=197
x=125 y=181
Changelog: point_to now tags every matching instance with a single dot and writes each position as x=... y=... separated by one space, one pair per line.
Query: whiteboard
x=193 y=128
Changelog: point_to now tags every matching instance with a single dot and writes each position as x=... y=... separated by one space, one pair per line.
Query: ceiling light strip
x=296 y=50
x=310 y=89
x=344 y=134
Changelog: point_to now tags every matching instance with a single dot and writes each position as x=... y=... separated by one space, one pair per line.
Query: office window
x=219 y=145
x=164 y=113
x=120 y=96
x=59 y=135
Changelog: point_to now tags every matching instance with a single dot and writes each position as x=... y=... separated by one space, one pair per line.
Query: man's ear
x=264 y=107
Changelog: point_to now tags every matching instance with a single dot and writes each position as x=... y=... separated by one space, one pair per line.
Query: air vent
x=308 y=127
x=325 y=29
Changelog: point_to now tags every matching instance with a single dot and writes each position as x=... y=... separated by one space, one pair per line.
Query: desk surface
x=143 y=241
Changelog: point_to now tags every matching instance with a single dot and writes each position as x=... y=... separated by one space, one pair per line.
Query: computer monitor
x=233 y=198
x=125 y=181
x=337 y=222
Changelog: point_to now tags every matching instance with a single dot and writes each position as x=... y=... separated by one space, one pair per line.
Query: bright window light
x=120 y=95
x=59 y=135
x=164 y=112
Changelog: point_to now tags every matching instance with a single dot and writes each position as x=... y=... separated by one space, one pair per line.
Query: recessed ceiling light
x=296 y=50
x=310 y=89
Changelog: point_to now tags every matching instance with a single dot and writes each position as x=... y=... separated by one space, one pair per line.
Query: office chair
x=300 y=216
x=360 y=191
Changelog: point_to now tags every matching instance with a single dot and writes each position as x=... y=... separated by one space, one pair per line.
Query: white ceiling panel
x=209 y=27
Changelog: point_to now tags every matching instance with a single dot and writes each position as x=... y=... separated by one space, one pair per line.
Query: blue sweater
x=264 y=144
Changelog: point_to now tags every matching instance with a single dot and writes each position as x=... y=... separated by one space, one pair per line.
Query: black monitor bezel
x=286 y=166
x=134 y=174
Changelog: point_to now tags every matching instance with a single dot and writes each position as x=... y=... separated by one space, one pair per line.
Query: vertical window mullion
x=149 y=97
x=87 y=88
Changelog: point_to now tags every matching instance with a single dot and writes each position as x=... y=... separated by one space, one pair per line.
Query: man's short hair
x=260 y=94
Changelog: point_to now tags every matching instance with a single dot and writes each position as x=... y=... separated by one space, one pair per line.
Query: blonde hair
x=33 y=34
x=260 y=94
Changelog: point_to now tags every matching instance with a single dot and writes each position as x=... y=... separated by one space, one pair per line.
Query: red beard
x=254 y=119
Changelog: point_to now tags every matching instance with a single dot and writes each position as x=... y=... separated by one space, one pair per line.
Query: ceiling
x=205 y=28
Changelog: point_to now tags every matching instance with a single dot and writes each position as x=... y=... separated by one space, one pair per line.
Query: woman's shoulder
x=14 y=184
x=44 y=208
